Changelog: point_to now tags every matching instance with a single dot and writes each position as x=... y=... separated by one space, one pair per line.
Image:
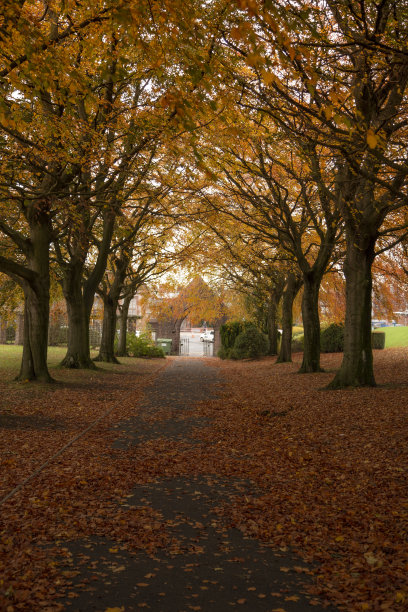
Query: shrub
x=332 y=338
x=224 y=353
x=228 y=332
x=378 y=340
x=231 y=330
x=142 y=346
x=250 y=343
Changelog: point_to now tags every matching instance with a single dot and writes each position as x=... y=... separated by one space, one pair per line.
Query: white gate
x=184 y=347
x=208 y=348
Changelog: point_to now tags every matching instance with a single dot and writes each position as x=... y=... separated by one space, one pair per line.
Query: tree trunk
x=292 y=287
x=37 y=298
x=78 y=353
x=357 y=366
x=272 y=326
x=27 y=365
x=123 y=320
x=79 y=293
x=275 y=295
x=111 y=298
x=107 y=348
x=175 y=345
x=311 y=324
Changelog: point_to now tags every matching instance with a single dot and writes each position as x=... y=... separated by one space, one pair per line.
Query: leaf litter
x=329 y=468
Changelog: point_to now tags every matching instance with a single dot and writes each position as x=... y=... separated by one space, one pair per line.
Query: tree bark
x=78 y=353
x=293 y=284
x=357 y=366
x=111 y=295
x=272 y=326
x=79 y=293
x=36 y=287
x=175 y=345
x=311 y=323
x=275 y=295
x=123 y=320
x=107 y=348
x=27 y=364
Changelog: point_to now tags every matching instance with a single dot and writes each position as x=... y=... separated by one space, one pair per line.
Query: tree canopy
x=120 y=118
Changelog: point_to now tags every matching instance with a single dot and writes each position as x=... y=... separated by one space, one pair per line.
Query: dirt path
x=205 y=565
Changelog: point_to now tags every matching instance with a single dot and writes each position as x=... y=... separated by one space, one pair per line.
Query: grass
x=10 y=361
x=10 y=356
x=394 y=336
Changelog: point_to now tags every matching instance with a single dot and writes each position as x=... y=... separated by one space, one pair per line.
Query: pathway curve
x=213 y=569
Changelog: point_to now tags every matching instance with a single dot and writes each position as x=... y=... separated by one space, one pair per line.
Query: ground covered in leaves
x=327 y=472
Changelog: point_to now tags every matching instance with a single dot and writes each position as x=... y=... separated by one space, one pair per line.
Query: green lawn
x=394 y=336
x=10 y=356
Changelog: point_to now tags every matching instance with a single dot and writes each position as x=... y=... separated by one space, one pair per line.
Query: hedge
x=142 y=346
x=378 y=340
x=250 y=343
x=332 y=340
x=242 y=340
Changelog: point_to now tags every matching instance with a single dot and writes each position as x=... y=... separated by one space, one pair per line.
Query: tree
x=280 y=192
x=86 y=92
x=38 y=79
x=264 y=275
x=335 y=74
x=171 y=304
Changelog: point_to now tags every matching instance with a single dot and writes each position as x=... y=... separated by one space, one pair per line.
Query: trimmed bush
x=142 y=346
x=378 y=340
x=250 y=343
x=229 y=331
x=224 y=353
x=332 y=338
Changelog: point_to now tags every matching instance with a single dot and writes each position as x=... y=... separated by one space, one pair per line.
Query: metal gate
x=184 y=347
x=208 y=348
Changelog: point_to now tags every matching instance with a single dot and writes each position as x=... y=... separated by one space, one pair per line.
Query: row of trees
x=91 y=98
x=277 y=128
x=312 y=159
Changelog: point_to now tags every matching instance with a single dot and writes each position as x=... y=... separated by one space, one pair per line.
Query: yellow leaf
x=268 y=77
x=236 y=33
x=372 y=139
x=254 y=59
x=122 y=609
x=400 y=596
x=292 y=53
x=113 y=550
x=373 y=561
x=328 y=111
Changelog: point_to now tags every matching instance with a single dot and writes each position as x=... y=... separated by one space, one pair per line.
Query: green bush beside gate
x=242 y=340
